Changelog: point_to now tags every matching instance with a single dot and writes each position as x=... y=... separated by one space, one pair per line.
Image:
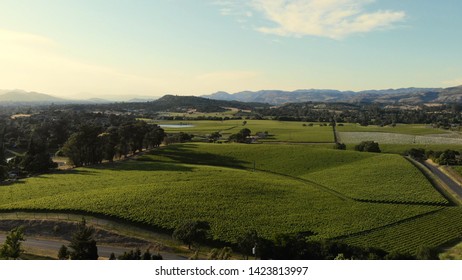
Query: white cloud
x=334 y=19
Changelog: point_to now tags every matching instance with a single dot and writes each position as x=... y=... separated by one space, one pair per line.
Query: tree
x=340 y=146
x=12 y=247
x=3 y=163
x=214 y=136
x=154 y=137
x=292 y=246
x=147 y=255
x=368 y=146
x=110 y=140
x=416 y=153
x=426 y=253
x=192 y=232
x=2 y=149
x=63 y=253
x=82 y=243
x=85 y=147
x=241 y=136
x=247 y=243
x=37 y=158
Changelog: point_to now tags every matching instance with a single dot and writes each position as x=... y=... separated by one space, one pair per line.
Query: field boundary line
x=365 y=232
x=306 y=181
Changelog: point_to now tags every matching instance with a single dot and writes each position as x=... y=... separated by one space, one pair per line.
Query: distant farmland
x=278 y=131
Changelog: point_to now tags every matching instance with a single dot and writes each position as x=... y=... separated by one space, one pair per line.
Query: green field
x=458 y=169
x=411 y=129
x=293 y=188
x=355 y=175
x=401 y=148
x=432 y=230
x=279 y=131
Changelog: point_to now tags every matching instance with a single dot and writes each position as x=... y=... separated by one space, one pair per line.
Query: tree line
x=289 y=246
x=444 y=116
x=93 y=144
x=27 y=144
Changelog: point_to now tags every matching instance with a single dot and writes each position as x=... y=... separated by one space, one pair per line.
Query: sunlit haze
x=114 y=49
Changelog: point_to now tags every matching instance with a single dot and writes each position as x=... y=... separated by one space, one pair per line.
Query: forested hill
x=174 y=103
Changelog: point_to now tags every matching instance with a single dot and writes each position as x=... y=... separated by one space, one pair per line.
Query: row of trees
x=445 y=116
x=93 y=144
x=446 y=157
x=290 y=246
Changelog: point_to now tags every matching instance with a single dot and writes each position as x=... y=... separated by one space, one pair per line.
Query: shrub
x=368 y=146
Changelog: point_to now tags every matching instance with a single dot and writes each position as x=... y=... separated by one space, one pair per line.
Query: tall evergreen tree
x=3 y=164
x=2 y=148
x=12 y=247
x=82 y=243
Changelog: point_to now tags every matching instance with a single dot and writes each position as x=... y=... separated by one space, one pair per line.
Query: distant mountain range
x=404 y=96
x=410 y=96
x=22 y=97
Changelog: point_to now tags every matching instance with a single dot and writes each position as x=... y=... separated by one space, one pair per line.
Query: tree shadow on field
x=142 y=165
x=188 y=153
x=75 y=171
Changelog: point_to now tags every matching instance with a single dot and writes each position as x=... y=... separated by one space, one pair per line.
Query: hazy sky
x=107 y=48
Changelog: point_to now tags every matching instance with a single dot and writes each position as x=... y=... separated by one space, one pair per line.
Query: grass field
x=458 y=169
x=397 y=138
x=411 y=129
x=401 y=148
x=279 y=131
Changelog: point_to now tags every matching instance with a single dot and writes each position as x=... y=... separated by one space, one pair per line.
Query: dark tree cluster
x=192 y=232
x=137 y=255
x=241 y=137
x=447 y=157
x=444 y=116
x=93 y=144
x=368 y=146
x=298 y=247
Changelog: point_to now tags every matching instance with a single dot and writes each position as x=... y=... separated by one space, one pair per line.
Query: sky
x=140 y=48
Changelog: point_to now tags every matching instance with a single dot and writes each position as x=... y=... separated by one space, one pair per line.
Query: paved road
x=103 y=250
x=453 y=186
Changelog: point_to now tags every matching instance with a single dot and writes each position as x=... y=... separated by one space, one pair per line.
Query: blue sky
x=100 y=48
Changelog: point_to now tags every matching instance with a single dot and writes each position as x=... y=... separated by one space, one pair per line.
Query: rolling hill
x=411 y=96
x=21 y=96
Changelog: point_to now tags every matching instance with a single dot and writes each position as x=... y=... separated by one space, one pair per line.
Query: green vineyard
x=275 y=189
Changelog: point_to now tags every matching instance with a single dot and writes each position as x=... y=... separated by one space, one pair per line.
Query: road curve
x=104 y=251
x=452 y=185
